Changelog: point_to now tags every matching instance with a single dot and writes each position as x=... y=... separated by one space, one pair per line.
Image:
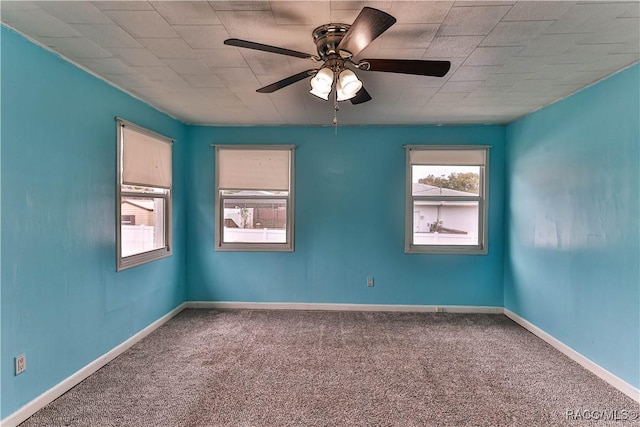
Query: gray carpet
x=301 y=368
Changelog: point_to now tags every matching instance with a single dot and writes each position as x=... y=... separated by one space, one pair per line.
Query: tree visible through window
x=465 y=181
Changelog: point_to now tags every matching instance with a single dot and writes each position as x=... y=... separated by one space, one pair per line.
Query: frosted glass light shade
x=348 y=85
x=321 y=83
x=323 y=95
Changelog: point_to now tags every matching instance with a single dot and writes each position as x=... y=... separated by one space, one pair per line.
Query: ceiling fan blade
x=267 y=48
x=286 y=82
x=361 y=97
x=369 y=24
x=408 y=66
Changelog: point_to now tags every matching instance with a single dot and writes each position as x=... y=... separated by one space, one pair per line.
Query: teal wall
x=349 y=222
x=573 y=264
x=63 y=304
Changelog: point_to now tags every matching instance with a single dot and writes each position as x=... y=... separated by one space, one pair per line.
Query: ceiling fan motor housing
x=327 y=38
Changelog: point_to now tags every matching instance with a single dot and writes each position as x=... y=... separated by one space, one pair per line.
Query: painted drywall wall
x=63 y=304
x=573 y=259
x=349 y=222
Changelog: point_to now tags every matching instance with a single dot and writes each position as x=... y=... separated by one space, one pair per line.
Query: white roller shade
x=461 y=157
x=253 y=169
x=146 y=160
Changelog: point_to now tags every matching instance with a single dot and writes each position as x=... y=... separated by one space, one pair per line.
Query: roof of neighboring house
x=147 y=205
x=431 y=190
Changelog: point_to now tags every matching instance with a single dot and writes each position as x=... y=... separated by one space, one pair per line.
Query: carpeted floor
x=301 y=368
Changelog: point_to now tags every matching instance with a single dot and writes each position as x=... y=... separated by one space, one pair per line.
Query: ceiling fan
x=337 y=45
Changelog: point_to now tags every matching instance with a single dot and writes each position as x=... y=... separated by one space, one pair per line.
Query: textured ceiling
x=508 y=57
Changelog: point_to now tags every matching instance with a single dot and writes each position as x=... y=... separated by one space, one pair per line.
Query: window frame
x=288 y=245
x=482 y=198
x=126 y=262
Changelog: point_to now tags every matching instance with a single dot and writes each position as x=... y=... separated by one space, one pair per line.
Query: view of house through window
x=249 y=217
x=254 y=198
x=446 y=200
x=142 y=223
x=445 y=222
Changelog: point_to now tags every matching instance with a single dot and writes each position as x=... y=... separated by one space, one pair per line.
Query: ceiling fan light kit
x=337 y=46
x=347 y=84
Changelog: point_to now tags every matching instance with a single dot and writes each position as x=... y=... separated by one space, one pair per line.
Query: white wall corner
x=585 y=362
x=61 y=388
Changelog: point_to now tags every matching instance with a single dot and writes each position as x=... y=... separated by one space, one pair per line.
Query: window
x=254 y=198
x=446 y=209
x=143 y=231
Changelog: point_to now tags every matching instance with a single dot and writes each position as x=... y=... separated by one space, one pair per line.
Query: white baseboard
x=344 y=307
x=59 y=389
x=586 y=363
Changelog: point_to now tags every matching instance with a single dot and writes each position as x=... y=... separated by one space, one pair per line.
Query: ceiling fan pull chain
x=336 y=107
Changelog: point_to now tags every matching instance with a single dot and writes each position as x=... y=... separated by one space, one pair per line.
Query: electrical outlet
x=370 y=282
x=21 y=364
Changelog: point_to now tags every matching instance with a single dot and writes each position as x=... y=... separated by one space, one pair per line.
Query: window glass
x=445 y=223
x=255 y=220
x=142 y=225
x=446 y=180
